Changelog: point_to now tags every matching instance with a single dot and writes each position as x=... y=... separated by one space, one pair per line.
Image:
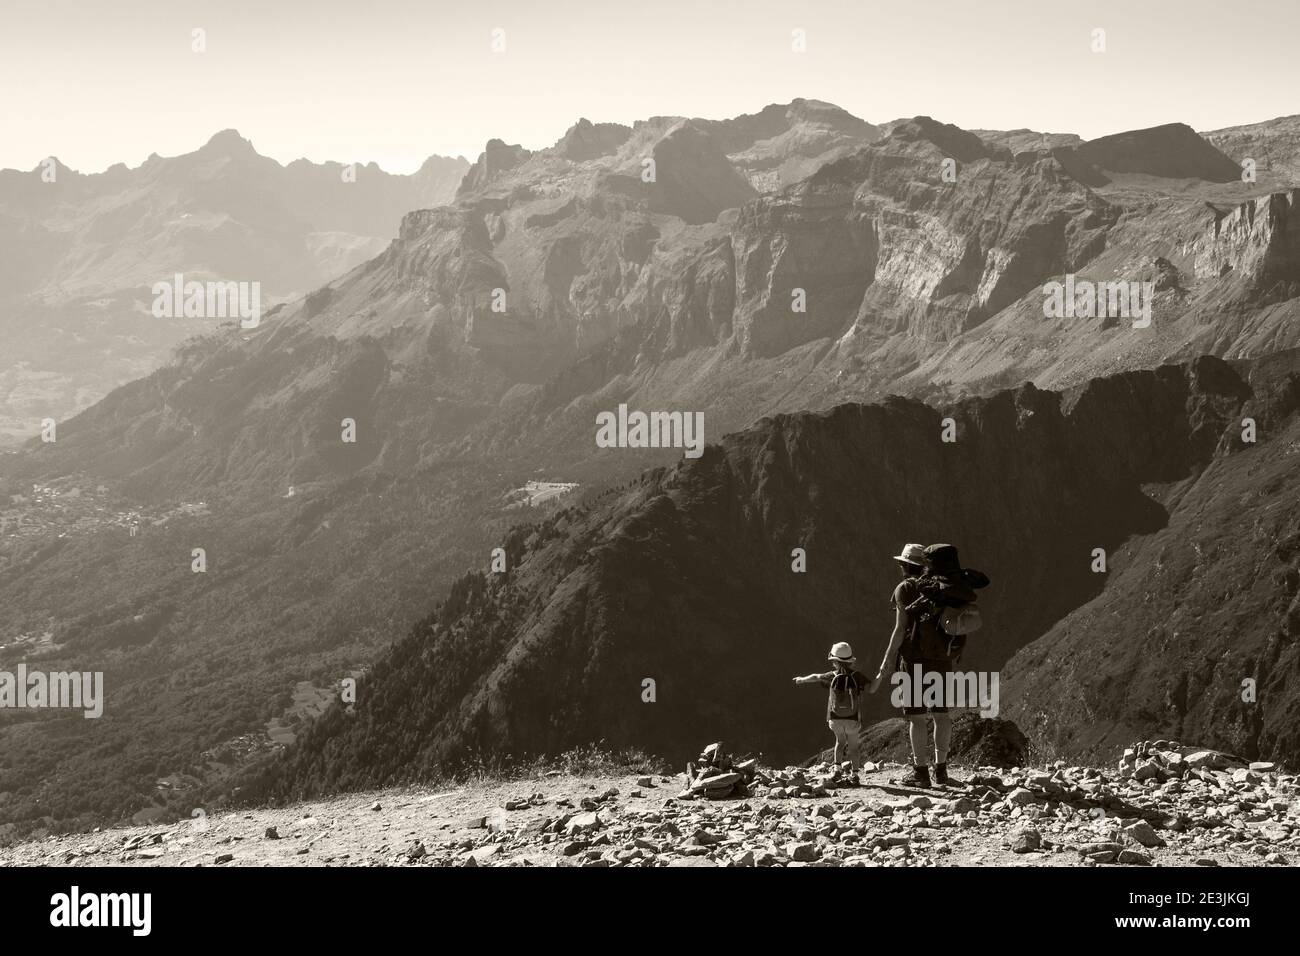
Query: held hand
x=875 y=683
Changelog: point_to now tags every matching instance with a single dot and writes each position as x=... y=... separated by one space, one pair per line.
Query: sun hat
x=942 y=559
x=841 y=652
x=912 y=554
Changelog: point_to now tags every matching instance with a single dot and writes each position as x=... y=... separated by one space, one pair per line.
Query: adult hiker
x=918 y=648
x=845 y=685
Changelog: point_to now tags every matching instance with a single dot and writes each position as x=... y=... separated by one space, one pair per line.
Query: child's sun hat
x=841 y=652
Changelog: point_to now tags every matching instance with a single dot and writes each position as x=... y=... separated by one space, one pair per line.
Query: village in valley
x=73 y=505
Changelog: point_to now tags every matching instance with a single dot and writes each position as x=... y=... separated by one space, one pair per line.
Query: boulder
x=720 y=781
x=1026 y=840
x=1146 y=770
x=1142 y=832
x=1020 y=797
x=1206 y=759
x=1089 y=849
x=801 y=852
x=583 y=823
x=485 y=853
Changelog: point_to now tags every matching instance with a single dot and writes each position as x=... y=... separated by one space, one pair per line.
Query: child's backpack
x=844 y=696
x=945 y=612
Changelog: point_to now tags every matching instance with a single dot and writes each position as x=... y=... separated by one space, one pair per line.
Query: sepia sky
x=393 y=81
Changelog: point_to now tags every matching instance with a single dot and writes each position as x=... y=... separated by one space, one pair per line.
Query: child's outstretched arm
x=808 y=679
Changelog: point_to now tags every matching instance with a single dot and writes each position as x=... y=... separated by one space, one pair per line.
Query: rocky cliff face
x=1258 y=240
x=688 y=580
x=814 y=246
x=954 y=255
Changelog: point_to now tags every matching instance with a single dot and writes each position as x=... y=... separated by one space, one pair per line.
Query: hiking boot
x=941 y=775
x=918 y=777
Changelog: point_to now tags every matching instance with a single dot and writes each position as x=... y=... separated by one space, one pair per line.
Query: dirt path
x=625 y=820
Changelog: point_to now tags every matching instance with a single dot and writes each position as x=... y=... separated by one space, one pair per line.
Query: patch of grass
x=588 y=760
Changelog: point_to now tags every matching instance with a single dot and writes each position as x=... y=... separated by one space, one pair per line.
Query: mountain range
x=79 y=254
x=825 y=291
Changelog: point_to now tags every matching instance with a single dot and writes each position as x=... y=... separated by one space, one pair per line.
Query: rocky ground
x=1164 y=805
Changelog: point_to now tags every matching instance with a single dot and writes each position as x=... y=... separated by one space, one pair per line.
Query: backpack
x=945 y=612
x=844 y=696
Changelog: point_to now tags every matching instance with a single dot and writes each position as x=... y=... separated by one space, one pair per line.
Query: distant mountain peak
x=60 y=168
x=956 y=142
x=435 y=162
x=1172 y=150
x=497 y=157
x=816 y=109
x=586 y=140
x=228 y=142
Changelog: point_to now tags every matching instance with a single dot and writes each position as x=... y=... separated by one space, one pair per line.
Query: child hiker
x=843 y=703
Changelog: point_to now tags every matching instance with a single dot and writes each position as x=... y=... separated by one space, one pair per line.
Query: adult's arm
x=901 y=622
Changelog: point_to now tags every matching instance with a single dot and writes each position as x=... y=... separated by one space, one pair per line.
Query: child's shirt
x=844 y=697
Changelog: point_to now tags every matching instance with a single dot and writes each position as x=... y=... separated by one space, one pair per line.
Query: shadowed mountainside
x=1197 y=634
x=686 y=577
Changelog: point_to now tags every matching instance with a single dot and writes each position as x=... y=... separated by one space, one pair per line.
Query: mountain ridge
x=79 y=256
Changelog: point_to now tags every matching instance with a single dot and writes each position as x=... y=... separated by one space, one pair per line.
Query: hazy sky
x=103 y=81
